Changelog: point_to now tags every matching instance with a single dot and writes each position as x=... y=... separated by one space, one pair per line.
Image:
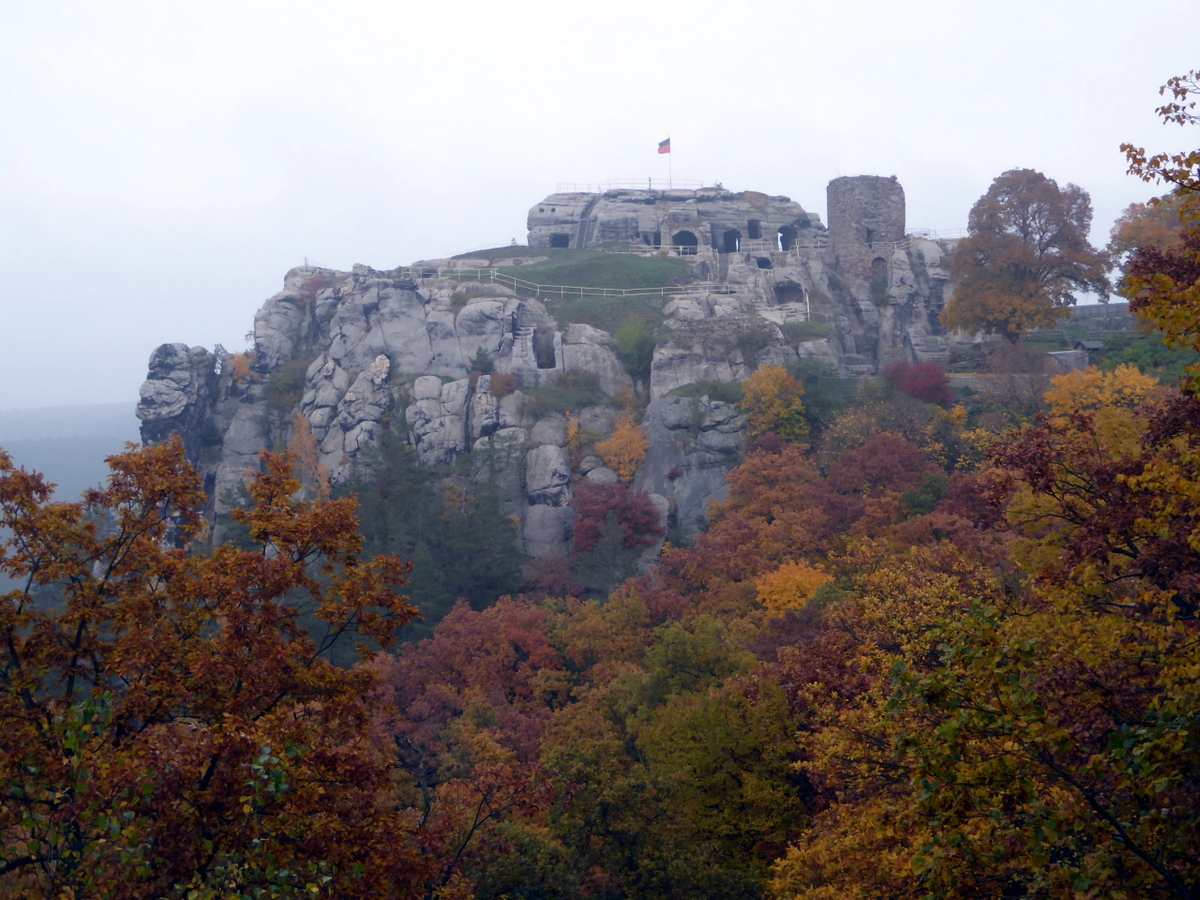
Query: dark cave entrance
x=685 y=242
x=543 y=348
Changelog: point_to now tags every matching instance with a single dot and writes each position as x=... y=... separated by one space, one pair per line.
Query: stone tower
x=866 y=222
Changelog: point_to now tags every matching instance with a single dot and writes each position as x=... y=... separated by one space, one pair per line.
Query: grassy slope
x=587 y=268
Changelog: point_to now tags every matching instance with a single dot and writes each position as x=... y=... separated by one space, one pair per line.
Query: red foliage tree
x=631 y=510
x=925 y=381
x=884 y=463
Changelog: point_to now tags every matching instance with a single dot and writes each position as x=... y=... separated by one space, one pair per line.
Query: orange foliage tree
x=789 y=588
x=240 y=364
x=626 y=449
x=1026 y=253
x=307 y=453
x=1163 y=282
x=169 y=729
x=771 y=402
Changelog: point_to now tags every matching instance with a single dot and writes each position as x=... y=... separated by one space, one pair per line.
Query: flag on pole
x=664 y=146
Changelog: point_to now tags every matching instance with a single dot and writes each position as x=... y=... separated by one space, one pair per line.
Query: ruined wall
x=866 y=221
x=712 y=218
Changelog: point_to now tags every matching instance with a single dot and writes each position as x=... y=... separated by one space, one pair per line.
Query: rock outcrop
x=466 y=370
x=175 y=396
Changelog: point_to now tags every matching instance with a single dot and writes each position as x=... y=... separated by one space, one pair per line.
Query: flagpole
x=670 y=175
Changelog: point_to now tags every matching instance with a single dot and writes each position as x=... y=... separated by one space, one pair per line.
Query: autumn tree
x=1182 y=169
x=1028 y=735
x=925 y=381
x=1163 y=283
x=1070 y=704
x=790 y=587
x=470 y=707
x=1155 y=224
x=675 y=773
x=601 y=505
x=613 y=525
x=626 y=449
x=169 y=729
x=1025 y=255
x=772 y=403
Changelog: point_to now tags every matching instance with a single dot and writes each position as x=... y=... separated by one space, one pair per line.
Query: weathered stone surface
x=547 y=526
x=588 y=349
x=325 y=384
x=551 y=429
x=866 y=222
x=437 y=420
x=176 y=395
x=547 y=530
x=548 y=475
x=247 y=435
x=724 y=350
x=775 y=285
x=356 y=421
x=170 y=385
x=714 y=218
x=692 y=444
x=602 y=475
x=588 y=463
x=277 y=328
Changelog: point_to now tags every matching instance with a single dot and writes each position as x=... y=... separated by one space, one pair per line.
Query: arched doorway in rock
x=733 y=241
x=560 y=241
x=754 y=230
x=787 y=238
x=685 y=242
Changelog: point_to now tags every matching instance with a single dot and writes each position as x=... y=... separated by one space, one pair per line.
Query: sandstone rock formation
x=345 y=355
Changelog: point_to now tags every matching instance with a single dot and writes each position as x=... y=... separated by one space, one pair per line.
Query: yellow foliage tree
x=789 y=587
x=1094 y=417
x=1090 y=389
x=626 y=449
x=1112 y=398
x=771 y=402
x=308 y=457
x=240 y=367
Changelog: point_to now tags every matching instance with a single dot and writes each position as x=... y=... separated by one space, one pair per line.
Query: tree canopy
x=1025 y=256
x=937 y=654
x=1163 y=280
x=169 y=729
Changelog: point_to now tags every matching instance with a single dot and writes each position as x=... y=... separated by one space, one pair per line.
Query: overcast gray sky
x=163 y=163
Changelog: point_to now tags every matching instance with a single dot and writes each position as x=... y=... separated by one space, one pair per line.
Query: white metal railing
x=890 y=246
x=692 y=250
x=766 y=246
x=670 y=184
x=953 y=234
x=494 y=276
x=649 y=249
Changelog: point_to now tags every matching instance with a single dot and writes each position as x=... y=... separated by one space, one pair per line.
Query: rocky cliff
x=466 y=370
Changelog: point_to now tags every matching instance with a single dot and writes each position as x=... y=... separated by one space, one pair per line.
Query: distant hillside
x=68 y=444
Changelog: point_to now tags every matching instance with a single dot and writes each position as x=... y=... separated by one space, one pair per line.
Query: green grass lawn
x=589 y=268
x=605 y=313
